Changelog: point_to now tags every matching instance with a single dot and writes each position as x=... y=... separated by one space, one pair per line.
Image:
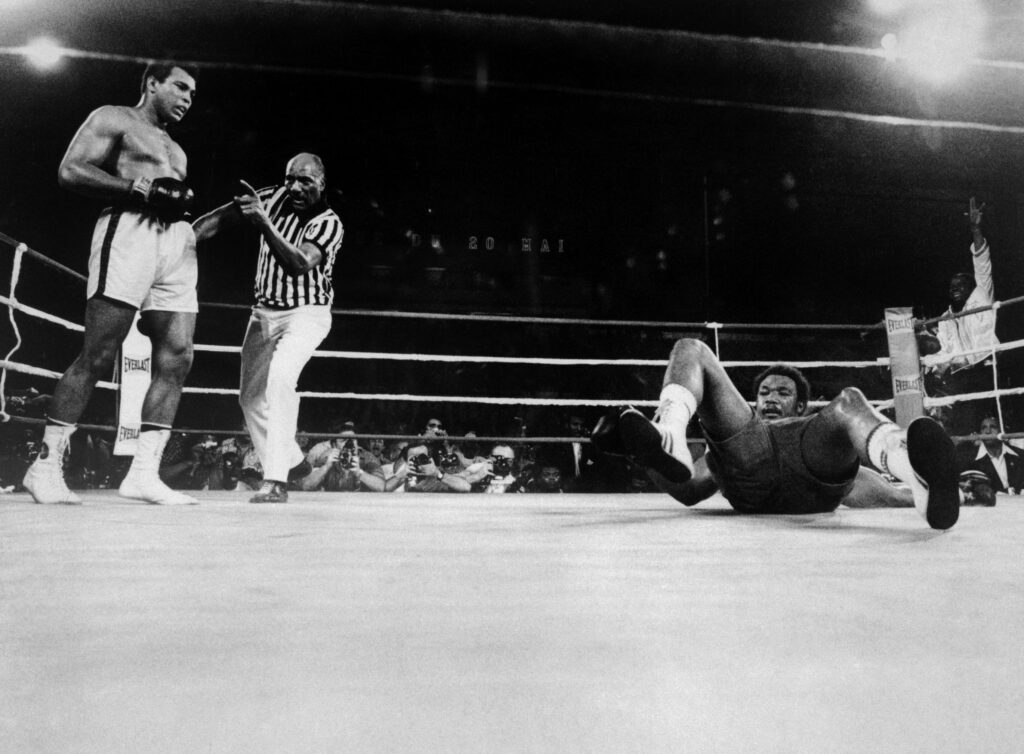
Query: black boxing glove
x=170 y=198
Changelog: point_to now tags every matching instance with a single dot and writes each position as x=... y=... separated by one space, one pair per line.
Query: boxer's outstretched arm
x=214 y=221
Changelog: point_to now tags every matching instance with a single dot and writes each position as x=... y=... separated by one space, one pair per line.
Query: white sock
x=149 y=451
x=56 y=437
x=887 y=451
x=678 y=405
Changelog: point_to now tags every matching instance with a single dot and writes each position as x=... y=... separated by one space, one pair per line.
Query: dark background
x=698 y=161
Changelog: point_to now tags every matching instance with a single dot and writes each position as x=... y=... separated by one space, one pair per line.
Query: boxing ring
x=444 y=622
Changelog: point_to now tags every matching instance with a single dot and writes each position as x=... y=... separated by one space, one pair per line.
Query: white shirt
x=975 y=330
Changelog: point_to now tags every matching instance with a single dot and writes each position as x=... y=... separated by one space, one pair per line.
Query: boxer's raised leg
x=694 y=383
x=849 y=429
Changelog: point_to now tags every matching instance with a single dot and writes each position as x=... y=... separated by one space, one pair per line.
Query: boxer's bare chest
x=150 y=150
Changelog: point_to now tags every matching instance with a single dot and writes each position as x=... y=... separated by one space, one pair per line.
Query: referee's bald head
x=307 y=158
x=305 y=180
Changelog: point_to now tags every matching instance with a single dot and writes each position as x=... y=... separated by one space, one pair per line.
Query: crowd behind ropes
x=429 y=458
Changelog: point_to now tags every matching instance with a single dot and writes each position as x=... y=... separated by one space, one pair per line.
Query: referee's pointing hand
x=250 y=206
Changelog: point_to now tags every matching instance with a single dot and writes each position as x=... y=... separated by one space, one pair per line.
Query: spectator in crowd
x=976 y=489
x=546 y=476
x=468 y=450
x=997 y=460
x=376 y=447
x=393 y=450
x=425 y=469
x=496 y=474
x=433 y=428
x=340 y=465
x=585 y=462
x=244 y=461
x=950 y=371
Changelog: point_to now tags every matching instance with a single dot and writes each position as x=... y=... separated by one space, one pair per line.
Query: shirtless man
x=775 y=460
x=143 y=257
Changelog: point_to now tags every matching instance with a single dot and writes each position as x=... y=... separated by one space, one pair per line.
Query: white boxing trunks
x=139 y=260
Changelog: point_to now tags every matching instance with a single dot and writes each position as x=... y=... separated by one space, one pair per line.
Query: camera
x=232 y=467
x=449 y=463
x=348 y=450
x=501 y=466
x=419 y=461
x=28 y=451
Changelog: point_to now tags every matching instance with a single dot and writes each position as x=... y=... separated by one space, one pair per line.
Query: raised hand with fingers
x=251 y=206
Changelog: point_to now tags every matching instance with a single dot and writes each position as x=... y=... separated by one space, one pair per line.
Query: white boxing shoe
x=149 y=487
x=45 y=482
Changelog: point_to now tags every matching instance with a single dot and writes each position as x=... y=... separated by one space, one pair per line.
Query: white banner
x=133 y=375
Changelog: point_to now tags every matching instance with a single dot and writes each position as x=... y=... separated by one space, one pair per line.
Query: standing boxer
x=143 y=257
x=299 y=241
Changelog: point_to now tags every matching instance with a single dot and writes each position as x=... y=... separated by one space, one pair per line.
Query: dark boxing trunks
x=761 y=469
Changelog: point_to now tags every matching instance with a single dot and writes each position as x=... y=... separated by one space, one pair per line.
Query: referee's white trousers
x=278 y=343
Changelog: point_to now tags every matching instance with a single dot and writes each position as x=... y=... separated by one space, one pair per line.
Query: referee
x=299 y=241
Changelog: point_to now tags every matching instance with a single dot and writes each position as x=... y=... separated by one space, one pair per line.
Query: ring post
x=134 y=372
x=904 y=365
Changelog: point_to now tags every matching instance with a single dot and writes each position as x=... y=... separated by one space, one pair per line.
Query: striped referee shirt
x=275 y=286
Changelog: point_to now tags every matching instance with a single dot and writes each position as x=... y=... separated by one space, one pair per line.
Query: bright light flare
x=44 y=53
x=890 y=46
x=940 y=42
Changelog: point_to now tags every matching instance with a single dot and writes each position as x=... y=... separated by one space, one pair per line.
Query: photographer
x=340 y=465
x=422 y=469
x=189 y=467
x=241 y=463
x=495 y=474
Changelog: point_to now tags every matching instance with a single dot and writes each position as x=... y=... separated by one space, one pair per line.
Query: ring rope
x=19 y=254
x=516 y=319
x=489 y=400
x=13 y=304
x=994 y=306
x=1010 y=345
x=42 y=257
x=455 y=358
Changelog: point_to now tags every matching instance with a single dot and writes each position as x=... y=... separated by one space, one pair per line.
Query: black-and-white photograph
x=723 y=298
